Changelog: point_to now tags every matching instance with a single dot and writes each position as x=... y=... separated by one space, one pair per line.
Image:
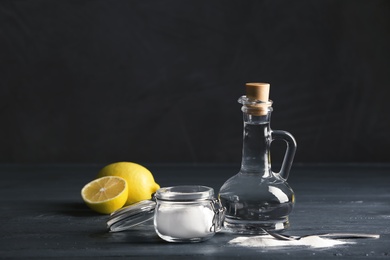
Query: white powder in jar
x=269 y=241
x=184 y=222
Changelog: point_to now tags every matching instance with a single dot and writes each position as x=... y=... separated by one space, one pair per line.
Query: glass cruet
x=256 y=198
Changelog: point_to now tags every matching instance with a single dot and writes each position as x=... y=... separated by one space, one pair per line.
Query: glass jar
x=180 y=214
x=186 y=213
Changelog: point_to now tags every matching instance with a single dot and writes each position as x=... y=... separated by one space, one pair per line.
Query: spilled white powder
x=269 y=241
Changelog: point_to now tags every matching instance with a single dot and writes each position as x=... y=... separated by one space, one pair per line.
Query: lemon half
x=106 y=194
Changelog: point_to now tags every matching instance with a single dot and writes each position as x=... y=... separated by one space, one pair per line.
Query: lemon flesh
x=139 y=179
x=106 y=194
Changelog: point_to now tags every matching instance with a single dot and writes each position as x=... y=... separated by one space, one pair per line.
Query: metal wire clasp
x=219 y=215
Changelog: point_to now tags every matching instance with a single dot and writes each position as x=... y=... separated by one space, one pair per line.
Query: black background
x=158 y=81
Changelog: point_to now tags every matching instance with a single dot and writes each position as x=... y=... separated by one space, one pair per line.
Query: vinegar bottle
x=256 y=198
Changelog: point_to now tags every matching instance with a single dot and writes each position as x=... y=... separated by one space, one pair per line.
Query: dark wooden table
x=43 y=216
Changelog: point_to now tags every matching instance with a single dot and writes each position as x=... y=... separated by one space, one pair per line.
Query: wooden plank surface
x=43 y=215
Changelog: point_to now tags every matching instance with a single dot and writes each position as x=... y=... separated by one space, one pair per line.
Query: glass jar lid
x=185 y=193
x=132 y=215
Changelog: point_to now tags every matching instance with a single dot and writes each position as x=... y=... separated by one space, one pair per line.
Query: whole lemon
x=140 y=181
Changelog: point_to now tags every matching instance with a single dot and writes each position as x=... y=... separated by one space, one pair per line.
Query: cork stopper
x=260 y=92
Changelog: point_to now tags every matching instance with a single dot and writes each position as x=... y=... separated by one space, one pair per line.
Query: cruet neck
x=256 y=138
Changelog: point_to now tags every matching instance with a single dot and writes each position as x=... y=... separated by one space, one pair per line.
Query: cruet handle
x=290 y=150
